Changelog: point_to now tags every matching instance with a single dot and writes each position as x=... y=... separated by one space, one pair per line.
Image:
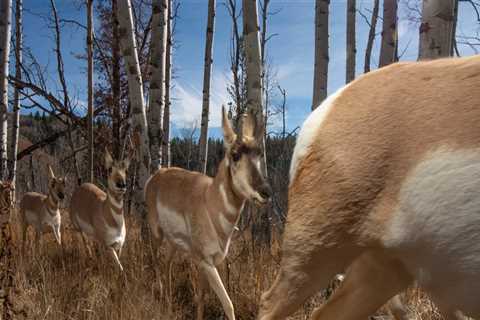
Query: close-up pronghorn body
x=385 y=182
x=41 y=211
x=198 y=214
x=100 y=215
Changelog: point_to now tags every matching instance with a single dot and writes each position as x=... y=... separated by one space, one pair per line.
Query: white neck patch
x=228 y=206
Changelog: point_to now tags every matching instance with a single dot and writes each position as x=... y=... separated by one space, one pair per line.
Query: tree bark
x=207 y=69
x=157 y=81
x=436 y=29
x=15 y=126
x=253 y=66
x=320 y=71
x=388 y=51
x=351 y=45
x=135 y=93
x=90 y=88
x=371 y=36
x=168 y=78
x=5 y=29
x=116 y=90
x=454 y=49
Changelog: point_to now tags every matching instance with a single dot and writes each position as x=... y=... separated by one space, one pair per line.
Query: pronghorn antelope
x=198 y=214
x=42 y=212
x=99 y=215
x=385 y=181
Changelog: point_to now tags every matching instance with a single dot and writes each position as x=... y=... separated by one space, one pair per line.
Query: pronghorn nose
x=61 y=195
x=121 y=185
x=265 y=191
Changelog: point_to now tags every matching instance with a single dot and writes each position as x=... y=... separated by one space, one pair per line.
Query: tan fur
x=345 y=190
x=100 y=215
x=198 y=214
x=42 y=212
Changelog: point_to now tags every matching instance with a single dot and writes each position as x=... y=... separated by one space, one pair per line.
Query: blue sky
x=291 y=52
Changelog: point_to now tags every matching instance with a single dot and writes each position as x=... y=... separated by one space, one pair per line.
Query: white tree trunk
x=388 y=49
x=128 y=47
x=320 y=71
x=253 y=63
x=207 y=69
x=436 y=29
x=157 y=80
x=168 y=78
x=351 y=45
x=5 y=28
x=90 y=88
x=15 y=126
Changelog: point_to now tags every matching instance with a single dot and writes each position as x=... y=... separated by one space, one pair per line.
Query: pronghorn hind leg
x=85 y=245
x=211 y=273
x=372 y=279
x=200 y=297
x=38 y=243
x=170 y=255
x=397 y=308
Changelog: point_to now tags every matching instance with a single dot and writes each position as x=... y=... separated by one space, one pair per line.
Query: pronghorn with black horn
x=41 y=211
x=385 y=183
x=99 y=215
x=198 y=214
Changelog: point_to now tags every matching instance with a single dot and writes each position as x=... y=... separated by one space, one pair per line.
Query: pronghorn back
x=385 y=180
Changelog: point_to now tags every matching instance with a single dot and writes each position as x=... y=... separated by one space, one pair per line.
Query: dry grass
x=64 y=283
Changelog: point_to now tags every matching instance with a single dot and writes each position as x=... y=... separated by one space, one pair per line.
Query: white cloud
x=187 y=103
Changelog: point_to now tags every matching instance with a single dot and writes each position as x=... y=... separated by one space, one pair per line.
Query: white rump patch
x=436 y=226
x=309 y=130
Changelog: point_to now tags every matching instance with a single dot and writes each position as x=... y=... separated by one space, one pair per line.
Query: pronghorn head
x=56 y=186
x=117 y=173
x=243 y=153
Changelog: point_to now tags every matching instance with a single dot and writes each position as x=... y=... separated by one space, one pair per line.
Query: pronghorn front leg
x=115 y=257
x=370 y=281
x=211 y=273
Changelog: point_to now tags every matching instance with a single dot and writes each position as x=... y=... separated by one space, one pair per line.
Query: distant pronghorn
x=197 y=214
x=42 y=212
x=385 y=181
x=100 y=215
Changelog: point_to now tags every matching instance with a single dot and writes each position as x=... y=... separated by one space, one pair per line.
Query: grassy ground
x=65 y=283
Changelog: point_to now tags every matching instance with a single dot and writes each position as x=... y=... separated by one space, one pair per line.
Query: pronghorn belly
x=436 y=227
x=176 y=228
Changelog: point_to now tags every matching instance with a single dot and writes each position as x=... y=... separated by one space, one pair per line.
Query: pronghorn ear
x=229 y=135
x=51 y=176
x=108 y=159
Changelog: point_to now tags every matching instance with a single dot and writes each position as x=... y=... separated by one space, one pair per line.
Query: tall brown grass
x=62 y=282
